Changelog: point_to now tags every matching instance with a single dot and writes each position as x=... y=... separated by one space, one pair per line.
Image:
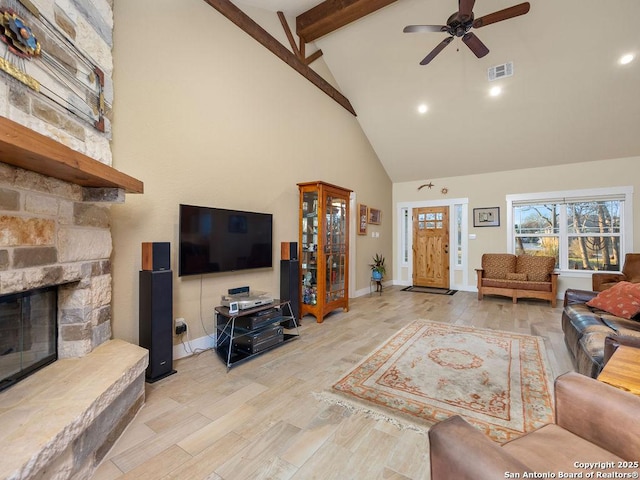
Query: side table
x=623 y=369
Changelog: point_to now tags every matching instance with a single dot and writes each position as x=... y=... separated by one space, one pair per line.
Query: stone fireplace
x=56 y=190
x=56 y=233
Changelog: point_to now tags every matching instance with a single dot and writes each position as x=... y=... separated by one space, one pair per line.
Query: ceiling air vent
x=500 y=71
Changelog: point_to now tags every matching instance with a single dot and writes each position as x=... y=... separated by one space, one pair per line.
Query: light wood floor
x=260 y=420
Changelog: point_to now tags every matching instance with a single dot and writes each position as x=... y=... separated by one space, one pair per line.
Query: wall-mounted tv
x=220 y=240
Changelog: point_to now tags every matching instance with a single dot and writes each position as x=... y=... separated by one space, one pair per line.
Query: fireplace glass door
x=28 y=333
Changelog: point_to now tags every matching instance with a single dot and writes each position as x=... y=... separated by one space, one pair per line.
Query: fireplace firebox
x=28 y=333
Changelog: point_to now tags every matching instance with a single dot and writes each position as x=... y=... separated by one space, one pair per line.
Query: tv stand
x=248 y=333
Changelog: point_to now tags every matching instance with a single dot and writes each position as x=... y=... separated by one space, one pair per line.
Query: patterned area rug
x=498 y=381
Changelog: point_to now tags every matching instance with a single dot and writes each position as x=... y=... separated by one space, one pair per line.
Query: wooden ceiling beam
x=298 y=51
x=330 y=15
x=242 y=20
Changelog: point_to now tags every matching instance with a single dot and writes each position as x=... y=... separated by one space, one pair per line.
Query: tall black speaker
x=290 y=285
x=156 y=322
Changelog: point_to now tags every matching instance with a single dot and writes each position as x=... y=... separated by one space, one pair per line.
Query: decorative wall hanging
x=363 y=213
x=39 y=56
x=375 y=216
x=486 y=217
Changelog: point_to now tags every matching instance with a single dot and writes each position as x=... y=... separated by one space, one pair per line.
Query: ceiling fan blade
x=465 y=9
x=474 y=43
x=436 y=50
x=501 y=15
x=424 y=28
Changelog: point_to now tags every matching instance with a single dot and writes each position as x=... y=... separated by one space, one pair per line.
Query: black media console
x=244 y=334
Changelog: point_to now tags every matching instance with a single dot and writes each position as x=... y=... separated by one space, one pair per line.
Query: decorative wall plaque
x=37 y=54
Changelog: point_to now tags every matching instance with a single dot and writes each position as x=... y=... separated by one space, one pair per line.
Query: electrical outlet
x=181 y=326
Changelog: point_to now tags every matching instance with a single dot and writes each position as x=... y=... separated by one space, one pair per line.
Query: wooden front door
x=431 y=247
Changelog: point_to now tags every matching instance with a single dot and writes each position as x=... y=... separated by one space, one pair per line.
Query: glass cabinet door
x=335 y=247
x=309 y=257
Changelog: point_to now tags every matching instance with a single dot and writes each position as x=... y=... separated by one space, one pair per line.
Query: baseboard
x=188 y=348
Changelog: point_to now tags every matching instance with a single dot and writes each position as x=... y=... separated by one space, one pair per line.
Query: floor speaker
x=290 y=285
x=156 y=322
x=156 y=256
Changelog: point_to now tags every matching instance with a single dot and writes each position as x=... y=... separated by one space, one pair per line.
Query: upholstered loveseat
x=587 y=328
x=518 y=276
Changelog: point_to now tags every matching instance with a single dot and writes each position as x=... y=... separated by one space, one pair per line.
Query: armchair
x=595 y=422
x=630 y=273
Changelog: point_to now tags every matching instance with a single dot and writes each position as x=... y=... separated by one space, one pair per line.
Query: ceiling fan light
x=627 y=58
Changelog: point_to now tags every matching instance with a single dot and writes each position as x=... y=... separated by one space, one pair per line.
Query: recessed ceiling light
x=628 y=58
x=495 y=91
x=422 y=109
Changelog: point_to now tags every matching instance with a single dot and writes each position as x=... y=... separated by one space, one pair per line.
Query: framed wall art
x=363 y=213
x=375 y=216
x=486 y=217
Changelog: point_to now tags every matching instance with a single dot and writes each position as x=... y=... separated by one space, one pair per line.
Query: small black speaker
x=290 y=286
x=288 y=250
x=156 y=256
x=156 y=322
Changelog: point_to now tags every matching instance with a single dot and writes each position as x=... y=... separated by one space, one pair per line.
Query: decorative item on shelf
x=377 y=267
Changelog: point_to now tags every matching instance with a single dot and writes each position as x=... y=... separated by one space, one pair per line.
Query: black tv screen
x=220 y=240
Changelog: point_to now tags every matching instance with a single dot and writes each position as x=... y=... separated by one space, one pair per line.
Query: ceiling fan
x=459 y=24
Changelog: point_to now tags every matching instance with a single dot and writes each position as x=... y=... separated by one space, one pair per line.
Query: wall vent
x=500 y=71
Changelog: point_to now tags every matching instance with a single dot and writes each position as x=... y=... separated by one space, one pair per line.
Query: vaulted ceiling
x=569 y=99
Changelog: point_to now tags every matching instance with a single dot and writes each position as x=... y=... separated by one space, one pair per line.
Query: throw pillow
x=517 y=276
x=621 y=300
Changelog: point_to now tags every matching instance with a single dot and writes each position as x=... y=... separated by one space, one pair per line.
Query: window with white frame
x=458 y=234
x=406 y=227
x=583 y=230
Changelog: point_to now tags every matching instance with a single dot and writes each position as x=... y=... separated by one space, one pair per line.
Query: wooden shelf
x=28 y=149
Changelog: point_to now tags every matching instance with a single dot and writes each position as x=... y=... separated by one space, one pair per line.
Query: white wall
x=205 y=115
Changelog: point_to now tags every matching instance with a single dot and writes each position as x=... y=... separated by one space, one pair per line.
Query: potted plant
x=377 y=267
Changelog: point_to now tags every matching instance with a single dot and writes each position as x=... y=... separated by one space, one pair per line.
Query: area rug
x=498 y=381
x=435 y=291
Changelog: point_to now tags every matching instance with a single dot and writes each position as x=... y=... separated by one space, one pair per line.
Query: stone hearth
x=60 y=422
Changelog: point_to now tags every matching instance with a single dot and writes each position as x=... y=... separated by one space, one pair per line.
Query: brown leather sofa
x=586 y=328
x=630 y=273
x=518 y=276
x=594 y=422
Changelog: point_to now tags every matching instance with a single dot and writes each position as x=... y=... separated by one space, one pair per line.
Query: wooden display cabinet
x=324 y=248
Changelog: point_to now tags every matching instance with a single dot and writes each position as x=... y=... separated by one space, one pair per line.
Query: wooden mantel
x=25 y=148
